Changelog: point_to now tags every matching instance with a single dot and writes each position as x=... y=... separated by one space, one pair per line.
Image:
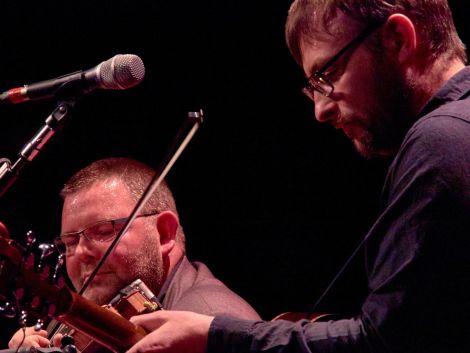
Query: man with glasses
x=391 y=75
x=97 y=202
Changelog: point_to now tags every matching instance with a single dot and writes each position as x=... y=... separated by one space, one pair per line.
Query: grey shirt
x=192 y=287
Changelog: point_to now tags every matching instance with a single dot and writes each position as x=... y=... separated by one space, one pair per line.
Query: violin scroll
x=4 y=231
x=35 y=294
x=19 y=266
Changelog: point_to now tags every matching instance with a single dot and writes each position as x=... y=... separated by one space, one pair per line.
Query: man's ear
x=167 y=226
x=400 y=38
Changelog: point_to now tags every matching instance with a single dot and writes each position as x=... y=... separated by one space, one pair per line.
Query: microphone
x=120 y=72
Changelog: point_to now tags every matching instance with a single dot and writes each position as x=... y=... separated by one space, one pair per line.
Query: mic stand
x=54 y=122
x=183 y=137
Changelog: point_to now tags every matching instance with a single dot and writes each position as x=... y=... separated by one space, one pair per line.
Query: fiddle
x=134 y=299
x=33 y=292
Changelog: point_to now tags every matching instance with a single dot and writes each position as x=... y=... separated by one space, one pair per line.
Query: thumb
x=150 y=321
x=56 y=339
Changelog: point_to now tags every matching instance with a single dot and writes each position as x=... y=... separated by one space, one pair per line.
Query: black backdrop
x=272 y=201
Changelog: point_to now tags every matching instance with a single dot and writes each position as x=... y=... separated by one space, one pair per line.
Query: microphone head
x=121 y=72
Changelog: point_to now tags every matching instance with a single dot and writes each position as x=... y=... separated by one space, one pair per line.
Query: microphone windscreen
x=121 y=72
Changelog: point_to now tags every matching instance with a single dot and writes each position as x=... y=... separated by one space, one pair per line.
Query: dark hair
x=432 y=18
x=135 y=175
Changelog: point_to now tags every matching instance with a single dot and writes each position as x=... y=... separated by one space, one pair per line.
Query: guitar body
x=312 y=317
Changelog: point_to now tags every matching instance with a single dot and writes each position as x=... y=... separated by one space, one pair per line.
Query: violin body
x=135 y=299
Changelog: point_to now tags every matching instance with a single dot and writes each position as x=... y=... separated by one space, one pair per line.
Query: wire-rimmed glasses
x=102 y=231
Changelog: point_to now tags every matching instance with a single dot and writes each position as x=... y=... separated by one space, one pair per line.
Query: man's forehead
x=106 y=199
x=315 y=52
x=324 y=42
x=105 y=190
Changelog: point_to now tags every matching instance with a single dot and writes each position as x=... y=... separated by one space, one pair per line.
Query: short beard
x=391 y=118
x=148 y=264
x=145 y=264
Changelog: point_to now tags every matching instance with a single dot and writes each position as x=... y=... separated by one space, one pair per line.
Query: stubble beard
x=145 y=264
x=390 y=117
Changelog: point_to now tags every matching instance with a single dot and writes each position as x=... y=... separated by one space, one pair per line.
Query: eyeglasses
x=319 y=80
x=102 y=231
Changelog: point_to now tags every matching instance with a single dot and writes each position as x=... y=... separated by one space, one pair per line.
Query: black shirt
x=417 y=255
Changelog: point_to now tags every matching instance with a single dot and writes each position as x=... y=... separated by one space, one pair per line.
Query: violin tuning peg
x=69 y=349
x=30 y=238
x=45 y=250
x=23 y=319
x=55 y=274
x=30 y=242
x=67 y=344
x=66 y=340
x=7 y=310
x=39 y=325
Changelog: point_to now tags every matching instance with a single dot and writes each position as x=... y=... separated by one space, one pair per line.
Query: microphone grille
x=121 y=72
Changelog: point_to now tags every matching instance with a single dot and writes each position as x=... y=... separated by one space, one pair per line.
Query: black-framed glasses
x=102 y=231
x=319 y=80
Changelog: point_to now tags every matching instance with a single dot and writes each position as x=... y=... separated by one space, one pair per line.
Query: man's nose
x=326 y=109
x=85 y=247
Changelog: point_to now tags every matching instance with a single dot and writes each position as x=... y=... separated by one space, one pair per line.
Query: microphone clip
x=54 y=122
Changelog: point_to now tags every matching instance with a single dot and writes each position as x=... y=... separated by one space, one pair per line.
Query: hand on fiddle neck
x=29 y=337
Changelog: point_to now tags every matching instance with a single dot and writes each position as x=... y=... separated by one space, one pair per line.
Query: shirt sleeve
x=229 y=335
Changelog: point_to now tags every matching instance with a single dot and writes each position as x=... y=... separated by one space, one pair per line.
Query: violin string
x=359 y=247
x=54 y=331
x=337 y=276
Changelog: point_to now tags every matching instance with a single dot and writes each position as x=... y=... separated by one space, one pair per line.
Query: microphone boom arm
x=54 y=122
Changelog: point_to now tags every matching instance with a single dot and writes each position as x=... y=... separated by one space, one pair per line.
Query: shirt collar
x=454 y=89
x=166 y=284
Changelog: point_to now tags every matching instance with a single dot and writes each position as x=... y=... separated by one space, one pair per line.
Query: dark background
x=271 y=200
